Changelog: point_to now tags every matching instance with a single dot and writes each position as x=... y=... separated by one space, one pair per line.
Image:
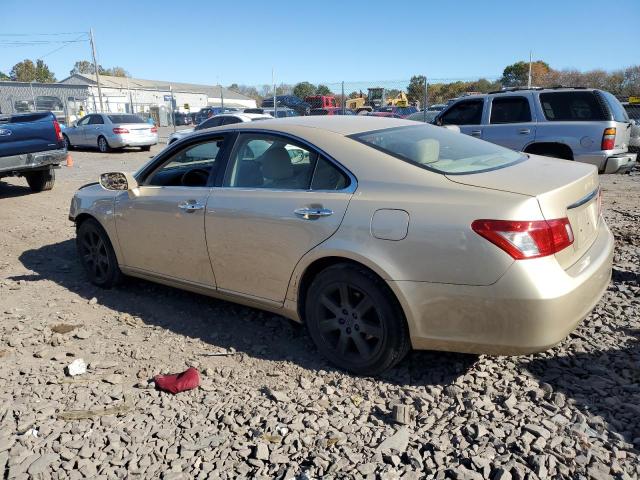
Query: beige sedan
x=380 y=234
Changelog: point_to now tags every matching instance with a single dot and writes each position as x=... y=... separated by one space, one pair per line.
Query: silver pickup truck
x=31 y=146
x=585 y=125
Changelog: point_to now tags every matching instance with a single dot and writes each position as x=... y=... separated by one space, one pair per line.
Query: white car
x=216 y=121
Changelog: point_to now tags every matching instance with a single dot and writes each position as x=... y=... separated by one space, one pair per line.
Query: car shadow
x=222 y=324
x=601 y=383
x=118 y=151
x=8 y=190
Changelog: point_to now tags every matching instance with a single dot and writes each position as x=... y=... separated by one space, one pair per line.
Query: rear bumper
x=16 y=164
x=609 y=163
x=533 y=306
x=119 y=141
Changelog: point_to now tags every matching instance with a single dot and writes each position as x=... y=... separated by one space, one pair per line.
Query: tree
x=304 y=89
x=4 y=76
x=517 y=74
x=27 y=71
x=116 y=72
x=87 y=68
x=415 y=89
x=323 y=90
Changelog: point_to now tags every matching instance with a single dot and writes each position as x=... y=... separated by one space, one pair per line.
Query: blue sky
x=213 y=41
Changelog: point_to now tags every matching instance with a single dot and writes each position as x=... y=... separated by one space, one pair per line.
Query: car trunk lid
x=562 y=188
x=136 y=128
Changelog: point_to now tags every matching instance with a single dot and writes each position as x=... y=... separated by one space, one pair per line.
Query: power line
x=39 y=34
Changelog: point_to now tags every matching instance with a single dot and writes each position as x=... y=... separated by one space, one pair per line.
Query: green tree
x=415 y=89
x=27 y=71
x=517 y=74
x=4 y=76
x=116 y=72
x=84 y=67
x=323 y=90
x=304 y=89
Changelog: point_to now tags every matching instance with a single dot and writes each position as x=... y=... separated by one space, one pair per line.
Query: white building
x=135 y=95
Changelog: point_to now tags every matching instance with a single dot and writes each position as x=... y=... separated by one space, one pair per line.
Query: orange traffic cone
x=69 y=160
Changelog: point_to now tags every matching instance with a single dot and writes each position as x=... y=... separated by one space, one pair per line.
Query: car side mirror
x=118 y=181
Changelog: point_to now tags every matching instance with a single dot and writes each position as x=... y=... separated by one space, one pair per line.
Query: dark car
x=332 y=111
x=400 y=111
x=290 y=101
x=182 y=118
x=208 y=112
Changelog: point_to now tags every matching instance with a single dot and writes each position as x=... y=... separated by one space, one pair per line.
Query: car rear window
x=619 y=113
x=125 y=119
x=439 y=149
x=572 y=106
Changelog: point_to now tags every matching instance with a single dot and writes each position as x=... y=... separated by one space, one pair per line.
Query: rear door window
x=510 y=110
x=96 y=120
x=572 y=106
x=467 y=112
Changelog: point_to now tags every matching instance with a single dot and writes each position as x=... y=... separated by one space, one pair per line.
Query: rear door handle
x=311 y=212
x=191 y=206
x=476 y=133
x=524 y=131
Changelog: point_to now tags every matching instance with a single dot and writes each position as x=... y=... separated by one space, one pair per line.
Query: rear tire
x=41 y=180
x=97 y=255
x=67 y=142
x=103 y=145
x=355 y=321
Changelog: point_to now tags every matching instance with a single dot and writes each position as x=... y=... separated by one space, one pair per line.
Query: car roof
x=340 y=124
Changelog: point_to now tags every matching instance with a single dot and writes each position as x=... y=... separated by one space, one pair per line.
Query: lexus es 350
x=379 y=234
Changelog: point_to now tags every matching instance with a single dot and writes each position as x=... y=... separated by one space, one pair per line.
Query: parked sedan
x=107 y=131
x=380 y=234
x=216 y=121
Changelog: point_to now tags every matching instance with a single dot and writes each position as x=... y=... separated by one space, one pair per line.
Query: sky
x=213 y=42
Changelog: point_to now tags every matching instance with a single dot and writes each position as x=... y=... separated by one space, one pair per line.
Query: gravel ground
x=269 y=405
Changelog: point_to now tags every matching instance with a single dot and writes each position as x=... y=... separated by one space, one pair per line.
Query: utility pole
x=529 y=82
x=95 y=66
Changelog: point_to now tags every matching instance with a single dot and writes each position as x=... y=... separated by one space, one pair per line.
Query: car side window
x=510 y=110
x=328 y=176
x=84 y=121
x=190 y=167
x=96 y=120
x=467 y=112
x=269 y=161
x=210 y=123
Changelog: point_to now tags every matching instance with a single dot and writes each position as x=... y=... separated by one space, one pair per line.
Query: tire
x=146 y=148
x=103 y=145
x=41 y=180
x=363 y=338
x=97 y=255
x=67 y=142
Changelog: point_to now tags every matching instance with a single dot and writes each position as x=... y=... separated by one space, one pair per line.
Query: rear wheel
x=67 y=142
x=97 y=255
x=103 y=145
x=41 y=180
x=355 y=321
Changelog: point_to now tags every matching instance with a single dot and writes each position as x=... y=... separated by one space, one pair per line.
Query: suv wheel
x=41 y=180
x=355 y=321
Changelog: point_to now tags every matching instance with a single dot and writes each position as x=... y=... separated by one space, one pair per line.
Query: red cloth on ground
x=178 y=382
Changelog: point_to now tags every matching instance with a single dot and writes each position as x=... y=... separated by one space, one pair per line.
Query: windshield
x=125 y=119
x=439 y=149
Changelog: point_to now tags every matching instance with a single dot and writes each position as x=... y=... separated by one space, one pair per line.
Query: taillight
x=120 y=130
x=56 y=127
x=154 y=129
x=608 y=139
x=526 y=239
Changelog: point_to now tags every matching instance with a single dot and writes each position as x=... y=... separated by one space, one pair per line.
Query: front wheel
x=355 y=321
x=103 y=145
x=41 y=180
x=97 y=255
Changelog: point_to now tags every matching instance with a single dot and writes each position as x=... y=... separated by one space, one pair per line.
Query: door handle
x=191 y=207
x=312 y=212
x=476 y=133
x=524 y=131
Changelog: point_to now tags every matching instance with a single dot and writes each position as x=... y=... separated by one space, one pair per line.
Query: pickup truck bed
x=31 y=146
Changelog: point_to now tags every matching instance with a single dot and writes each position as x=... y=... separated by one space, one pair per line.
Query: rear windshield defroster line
x=440 y=150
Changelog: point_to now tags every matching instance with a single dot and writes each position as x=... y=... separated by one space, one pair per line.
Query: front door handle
x=524 y=131
x=191 y=206
x=312 y=212
x=476 y=133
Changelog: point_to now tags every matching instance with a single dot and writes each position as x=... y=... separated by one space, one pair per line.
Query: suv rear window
x=619 y=113
x=572 y=106
x=439 y=149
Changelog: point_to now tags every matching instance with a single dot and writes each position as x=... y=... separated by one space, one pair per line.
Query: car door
x=76 y=133
x=511 y=123
x=161 y=227
x=279 y=198
x=93 y=129
x=466 y=114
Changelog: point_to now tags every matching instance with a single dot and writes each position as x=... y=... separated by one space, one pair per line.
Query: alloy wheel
x=102 y=145
x=349 y=322
x=95 y=256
